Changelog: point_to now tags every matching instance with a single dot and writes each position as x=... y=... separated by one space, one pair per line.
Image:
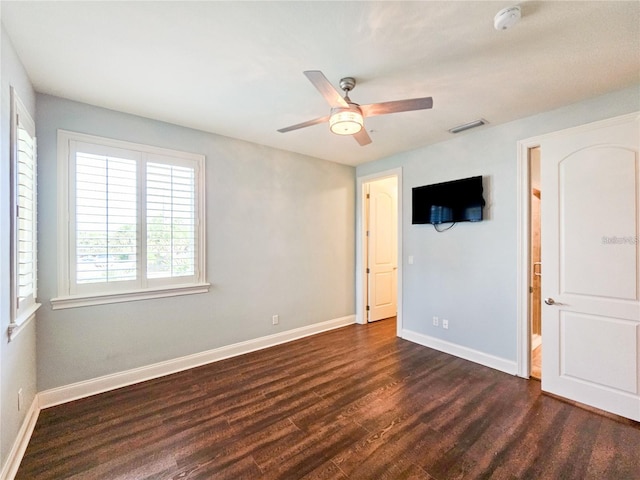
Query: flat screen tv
x=448 y=202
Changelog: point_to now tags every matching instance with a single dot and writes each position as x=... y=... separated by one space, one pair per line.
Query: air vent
x=468 y=126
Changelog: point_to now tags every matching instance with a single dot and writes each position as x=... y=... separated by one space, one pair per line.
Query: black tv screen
x=455 y=201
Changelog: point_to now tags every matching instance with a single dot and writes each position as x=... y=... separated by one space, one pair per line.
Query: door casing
x=360 y=273
x=382 y=270
x=524 y=236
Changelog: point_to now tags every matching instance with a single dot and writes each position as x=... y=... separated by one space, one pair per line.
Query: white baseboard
x=14 y=458
x=75 y=391
x=470 y=354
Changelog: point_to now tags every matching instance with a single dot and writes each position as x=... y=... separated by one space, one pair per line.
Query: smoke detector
x=506 y=18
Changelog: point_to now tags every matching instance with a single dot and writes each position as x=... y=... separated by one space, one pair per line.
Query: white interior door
x=590 y=251
x=382 y=249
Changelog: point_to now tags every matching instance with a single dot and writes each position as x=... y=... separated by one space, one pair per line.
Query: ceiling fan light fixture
x=346 y=121
x=346 y=117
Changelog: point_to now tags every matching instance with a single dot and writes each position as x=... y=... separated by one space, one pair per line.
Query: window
x=23 y=218
x=132 y=221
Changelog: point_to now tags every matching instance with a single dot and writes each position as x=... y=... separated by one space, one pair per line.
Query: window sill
x=14 y=328
x=74 y=301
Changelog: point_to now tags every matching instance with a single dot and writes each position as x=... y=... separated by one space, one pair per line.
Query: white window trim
x=20 y=317
x=22 y=320
x=128 y=296
x=67 y=300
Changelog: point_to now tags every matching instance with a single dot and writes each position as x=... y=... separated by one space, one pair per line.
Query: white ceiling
x=235 y=68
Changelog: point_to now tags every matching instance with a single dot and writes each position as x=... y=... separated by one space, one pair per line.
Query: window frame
x=68 y=295
x=21 y=314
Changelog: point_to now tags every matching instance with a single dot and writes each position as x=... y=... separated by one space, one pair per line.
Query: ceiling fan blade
x=396 y=106
x=330 y=94
x=315 y=121
x=362 y=137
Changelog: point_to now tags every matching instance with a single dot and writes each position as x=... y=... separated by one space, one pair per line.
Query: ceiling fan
x=346 y=117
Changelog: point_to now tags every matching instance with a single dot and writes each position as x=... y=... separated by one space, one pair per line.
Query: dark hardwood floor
x=351 y=403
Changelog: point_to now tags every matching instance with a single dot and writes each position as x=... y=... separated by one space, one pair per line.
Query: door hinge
x=368 y=271
x=368 y=196
x=367 y=233
x=367 y=308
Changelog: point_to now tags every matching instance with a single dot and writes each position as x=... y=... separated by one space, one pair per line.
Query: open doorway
x=589 y=289
x=379 y=247
x=589 y=282
x=535 y=268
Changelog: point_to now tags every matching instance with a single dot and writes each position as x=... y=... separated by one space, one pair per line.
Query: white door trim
x=523 y=233
x=524 y=254
x=360 y=246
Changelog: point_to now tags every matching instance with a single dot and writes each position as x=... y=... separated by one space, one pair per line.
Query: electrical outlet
x=435 y=321
x=445 y=324
x=275 y=320
x=20 y=400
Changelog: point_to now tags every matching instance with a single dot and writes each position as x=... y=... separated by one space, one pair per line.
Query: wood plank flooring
x=354 y=403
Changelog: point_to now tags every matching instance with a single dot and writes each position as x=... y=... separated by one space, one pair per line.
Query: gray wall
x=280 y=240
x=468 y=274
x=17 y=358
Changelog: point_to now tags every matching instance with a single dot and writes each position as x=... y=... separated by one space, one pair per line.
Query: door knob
x=549 y=301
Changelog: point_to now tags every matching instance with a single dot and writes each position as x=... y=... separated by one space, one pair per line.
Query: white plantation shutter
x=171 y=217
x=135 y=221
x=25 y=214
x=106 y=219
x=24 y=266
